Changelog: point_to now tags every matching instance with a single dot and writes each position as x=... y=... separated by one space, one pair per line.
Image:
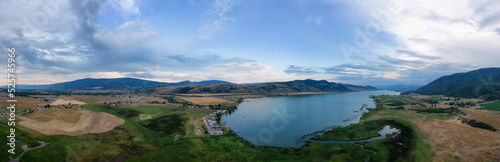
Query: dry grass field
x=88 y=122
x=22 y=102
x=67 y=102
x=66 y=115
x=103 y=99
x=486 y=116
x=206 y=100
x=450 y=138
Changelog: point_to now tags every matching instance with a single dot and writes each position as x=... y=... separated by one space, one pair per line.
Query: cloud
x=456 y=31
x=128 y=7
x=219 y=8
x=64 y=37
x=316 y=20
x=380 y=73
x=416 y=55
x=297 y=70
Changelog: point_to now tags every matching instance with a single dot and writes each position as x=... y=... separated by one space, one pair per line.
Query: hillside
x=481 y=83
x=272 y=87
x=115 y=83
x=399 y=87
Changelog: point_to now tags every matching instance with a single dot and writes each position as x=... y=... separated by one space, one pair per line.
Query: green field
x=492 y=106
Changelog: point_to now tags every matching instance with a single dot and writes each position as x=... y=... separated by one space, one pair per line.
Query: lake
x=281 y=121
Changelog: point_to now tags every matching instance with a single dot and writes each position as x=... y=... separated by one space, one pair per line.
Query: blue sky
x=370 y=43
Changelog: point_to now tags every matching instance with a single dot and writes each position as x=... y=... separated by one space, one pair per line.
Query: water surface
x=281 y=121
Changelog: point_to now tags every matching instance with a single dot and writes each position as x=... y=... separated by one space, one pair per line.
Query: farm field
x=67 y=102
x=70 y=122
x=22 y=103
x=492 y=106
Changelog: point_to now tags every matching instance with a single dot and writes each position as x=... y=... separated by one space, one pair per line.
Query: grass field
x=492 y=106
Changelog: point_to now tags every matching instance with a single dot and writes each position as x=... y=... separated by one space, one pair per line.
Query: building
x=218 y=131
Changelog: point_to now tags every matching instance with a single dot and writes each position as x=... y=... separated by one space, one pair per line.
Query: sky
x=379 y=42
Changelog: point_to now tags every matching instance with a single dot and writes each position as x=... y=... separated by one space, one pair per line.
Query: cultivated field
x=21 y=104
x=492 y=106
x=62 y=122
x=67 y=102
x=66 y=115
x=206 y=100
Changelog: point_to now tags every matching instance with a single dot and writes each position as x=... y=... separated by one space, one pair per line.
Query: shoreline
x=311 y=135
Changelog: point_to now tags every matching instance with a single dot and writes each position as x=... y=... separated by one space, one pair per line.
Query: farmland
x=492 y=106
x=70 y=122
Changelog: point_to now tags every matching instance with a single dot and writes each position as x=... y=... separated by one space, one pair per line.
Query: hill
x=295 y=86
x=399 y=87
x=115 y=83
x=481 y=83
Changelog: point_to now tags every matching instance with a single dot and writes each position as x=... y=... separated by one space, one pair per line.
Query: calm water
x=282 y=121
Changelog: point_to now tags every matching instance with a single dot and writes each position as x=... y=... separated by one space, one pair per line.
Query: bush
x=477 y=124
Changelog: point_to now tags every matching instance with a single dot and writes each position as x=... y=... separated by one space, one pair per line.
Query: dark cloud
x=490 y=20
x=70 y=40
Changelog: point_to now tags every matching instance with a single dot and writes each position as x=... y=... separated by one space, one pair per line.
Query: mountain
x=115 y=83
x=399 y=87
x=481 y=83
x=295 y=86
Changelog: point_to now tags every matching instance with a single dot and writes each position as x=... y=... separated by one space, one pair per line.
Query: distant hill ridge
x=114 y=83
x=481 y=83
x=295 y=86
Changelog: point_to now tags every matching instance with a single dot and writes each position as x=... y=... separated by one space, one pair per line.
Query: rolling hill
x=115 y=83
x=271 y=87
x=481 y=83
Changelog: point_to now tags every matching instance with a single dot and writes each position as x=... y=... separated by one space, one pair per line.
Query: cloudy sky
x=245 y=41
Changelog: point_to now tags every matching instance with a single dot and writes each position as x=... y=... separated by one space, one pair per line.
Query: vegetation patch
x=482 y=125
x=360 y=131
x=166 y=125
x=492 y=106
x=128 y=113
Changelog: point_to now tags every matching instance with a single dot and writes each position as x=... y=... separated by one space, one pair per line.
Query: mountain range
x=115 y=83
x=295 y=86
x=209 y=86
x=481 y=83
